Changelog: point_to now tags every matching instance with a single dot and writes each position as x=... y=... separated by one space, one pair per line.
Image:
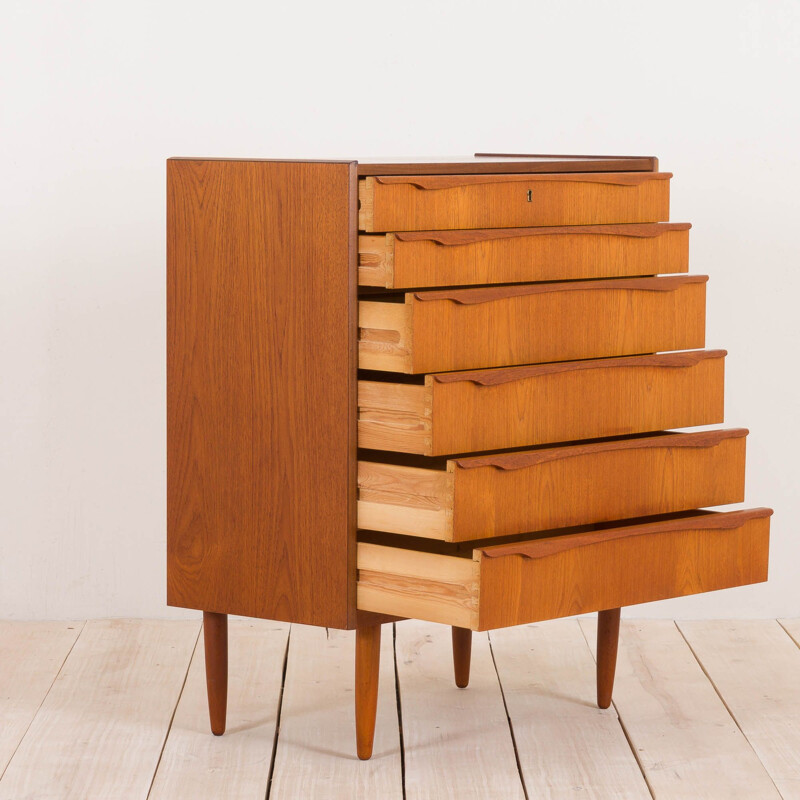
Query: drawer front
x=449 y=202
x=555 y=487
x=462 y=412
x=571 y=573
x=438 y=331
x=520 y=255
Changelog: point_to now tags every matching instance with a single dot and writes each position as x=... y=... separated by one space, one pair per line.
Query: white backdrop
x=94 y=96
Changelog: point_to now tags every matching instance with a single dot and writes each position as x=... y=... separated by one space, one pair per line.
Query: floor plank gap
x=278 y=716
x=567 y=746
x=197 y=765
x=316 y=754
x=508 y=717
x=457 y=741
x=399 y=711
x=723 y=701
x=34 y=710
x=100 y=730
x=753 y=666
x=686 y=741
x=172 y=718
x=792 y=628
x=621 y=723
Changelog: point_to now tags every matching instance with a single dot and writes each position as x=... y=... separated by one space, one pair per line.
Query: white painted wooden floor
x=116 y=709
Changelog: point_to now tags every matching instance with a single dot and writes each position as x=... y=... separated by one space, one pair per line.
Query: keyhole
x=530 y=195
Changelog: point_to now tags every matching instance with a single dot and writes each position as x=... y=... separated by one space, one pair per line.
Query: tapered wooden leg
x=215 y=637
x=462 y=653
x=607 y=641
x=368 y=657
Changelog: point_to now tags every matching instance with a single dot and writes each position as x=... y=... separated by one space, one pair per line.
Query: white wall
x=95 y=95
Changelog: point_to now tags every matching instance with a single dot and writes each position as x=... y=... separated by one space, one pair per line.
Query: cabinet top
x=506 y=162
x=487 y=163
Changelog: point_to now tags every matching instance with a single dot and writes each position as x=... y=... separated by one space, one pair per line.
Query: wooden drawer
x=462 y=412
x=553 y=487
x=519 y=255
x=448 y=202
x=569 y=573
x=437 y=331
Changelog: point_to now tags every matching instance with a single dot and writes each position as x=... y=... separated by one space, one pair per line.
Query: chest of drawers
x=441 y=390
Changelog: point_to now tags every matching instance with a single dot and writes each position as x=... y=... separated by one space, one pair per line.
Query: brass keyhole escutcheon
x=530 y=195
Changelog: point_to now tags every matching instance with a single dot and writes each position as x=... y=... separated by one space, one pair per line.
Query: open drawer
x=521 y=255
x=448 y=202
x=475 y=497
x=497 y=326
x=463 y=412
x=535 y=579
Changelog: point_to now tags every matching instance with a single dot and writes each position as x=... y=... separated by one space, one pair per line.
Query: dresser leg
x=368 y=657
x=462 y=652
x=215 y=637
x=607 y=641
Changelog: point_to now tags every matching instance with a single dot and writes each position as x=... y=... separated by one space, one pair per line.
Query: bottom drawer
x=544 y=577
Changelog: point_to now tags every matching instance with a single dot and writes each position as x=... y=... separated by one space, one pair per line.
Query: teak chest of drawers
x=441 y=390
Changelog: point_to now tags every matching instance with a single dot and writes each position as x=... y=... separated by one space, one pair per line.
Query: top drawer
x=449 y=202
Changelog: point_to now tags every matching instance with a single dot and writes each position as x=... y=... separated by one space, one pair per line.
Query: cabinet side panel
x=261 y=389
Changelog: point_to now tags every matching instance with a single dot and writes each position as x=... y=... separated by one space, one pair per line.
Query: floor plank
x=31 y=654
x=684 y=738
x=755 y=667
x=197 y=765
x=567 y=746
x=100 y=730
x=457 y=741
x=316 y=754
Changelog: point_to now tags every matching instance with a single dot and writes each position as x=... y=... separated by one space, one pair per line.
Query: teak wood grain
x=572 y=573
x=518 y=255
x=260 y=256
x=462 y=412
x=456 y=329
x=508 y=493
x=446 y=202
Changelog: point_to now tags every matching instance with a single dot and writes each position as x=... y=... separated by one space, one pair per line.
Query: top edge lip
x=477 y=295
x=554 y=544
x=489 y=377
x=614 y=176
x=528 y=458
x=619 y=228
